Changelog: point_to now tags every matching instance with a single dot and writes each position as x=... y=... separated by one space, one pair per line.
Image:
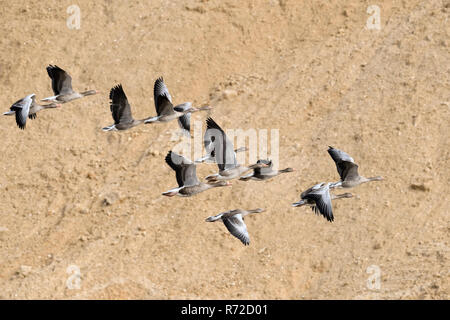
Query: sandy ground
x=77 y=199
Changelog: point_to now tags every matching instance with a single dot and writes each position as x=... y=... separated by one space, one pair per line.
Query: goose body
x=62 y=86
x=234 y=222
x=166 y=111
x=217 y=143
x=348 y=170
x=121 y=111
x=261 y=174
x=318 y=197
x=27 y=108
x=186 y=174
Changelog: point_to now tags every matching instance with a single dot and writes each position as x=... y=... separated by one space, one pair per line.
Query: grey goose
x=166 y=111
x=27 y=108
x=62 y=86
x=234 y=222
x=261 y=174
x=348 y=170
x=121 y=111
x=186 y=174
x=224 y=154
x=319 y=198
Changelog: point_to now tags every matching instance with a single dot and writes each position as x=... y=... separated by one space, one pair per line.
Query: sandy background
x=307 y=68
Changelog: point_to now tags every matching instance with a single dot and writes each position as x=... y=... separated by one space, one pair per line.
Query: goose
x=348 y=170
x=319 y=198
x=167 y=112
x=27 y=108
x=234 y=222
x=121 y=111
x=62 y=86
x=186 y=174
x=264 y=173
x=224 y=154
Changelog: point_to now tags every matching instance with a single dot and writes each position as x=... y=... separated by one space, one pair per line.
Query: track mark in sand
x=141 y=281
x=143 y=155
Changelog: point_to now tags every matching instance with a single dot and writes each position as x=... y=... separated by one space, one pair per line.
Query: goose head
x=89 y=92
x=258 y=165
x=220 y=183
x=53 y=105
x=346 y=195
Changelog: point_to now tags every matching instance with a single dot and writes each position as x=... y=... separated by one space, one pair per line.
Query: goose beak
x=169 y=194
x=191 y=110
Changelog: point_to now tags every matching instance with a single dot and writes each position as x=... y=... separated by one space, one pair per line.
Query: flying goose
x=62 y=86
x=224 y=154
x=121 y=111
x=27 y=108
x=319 y=198
x=166 y=111
x=348 y=170
x=264 y=173
x=234 y=221
x=186 y=174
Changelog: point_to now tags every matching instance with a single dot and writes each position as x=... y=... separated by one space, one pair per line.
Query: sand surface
x=77 y=199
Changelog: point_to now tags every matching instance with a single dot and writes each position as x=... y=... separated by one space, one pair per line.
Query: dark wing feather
x=345 y=164
x=339 y=155
x=185 y=120
x=163 y=100
x=224 y=151
x=323 y=203
x=61 y=80
x=186 y=172
x=22 y=109
x=185 y=124
x=237 y=228
x=189 y=174
x=172 y=161
x=347 y=170
x=120 y=108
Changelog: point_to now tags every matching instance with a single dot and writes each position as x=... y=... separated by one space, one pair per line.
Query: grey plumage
x=166 y=111
x=121 y=110
x=348 y=170
x=62 y=86
x=186 y=175
x=319 y=198
x=26 y=108
x=234 y=222
x=264 y=173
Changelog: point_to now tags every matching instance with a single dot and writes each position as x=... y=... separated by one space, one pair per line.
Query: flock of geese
x=219 y=149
